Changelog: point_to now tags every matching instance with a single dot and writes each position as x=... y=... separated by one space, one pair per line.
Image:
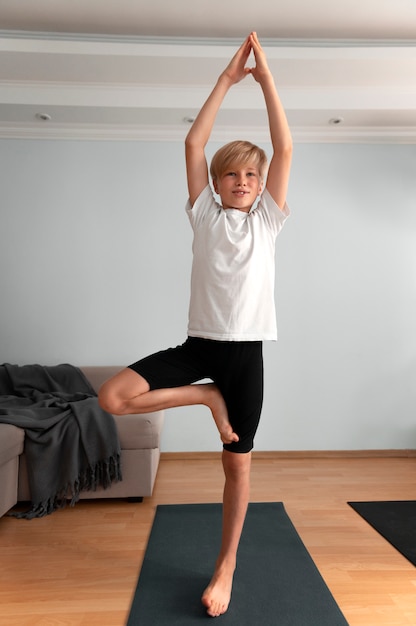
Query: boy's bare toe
x=217 y=595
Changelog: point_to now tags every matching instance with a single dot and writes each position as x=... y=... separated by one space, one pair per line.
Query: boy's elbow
x=192 y=142
x=288 y=145
x=284 y=152
x=194 y=150
x=190 y=145
x=188 y=142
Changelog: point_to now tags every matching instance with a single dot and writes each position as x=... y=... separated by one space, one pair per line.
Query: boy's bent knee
x=116 y=393
x=109 y=401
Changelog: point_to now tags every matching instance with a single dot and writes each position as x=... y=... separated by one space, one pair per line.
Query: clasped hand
x=236 y=70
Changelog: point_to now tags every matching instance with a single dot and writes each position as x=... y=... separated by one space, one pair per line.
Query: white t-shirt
x=233 y=269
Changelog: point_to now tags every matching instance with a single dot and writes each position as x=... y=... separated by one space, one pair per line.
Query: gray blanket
x=71 y=444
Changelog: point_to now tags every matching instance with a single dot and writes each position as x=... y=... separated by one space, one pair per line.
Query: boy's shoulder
x=205 y=202
x=268 y=203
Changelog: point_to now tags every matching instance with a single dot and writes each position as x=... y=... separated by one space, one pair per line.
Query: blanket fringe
x=102 y=474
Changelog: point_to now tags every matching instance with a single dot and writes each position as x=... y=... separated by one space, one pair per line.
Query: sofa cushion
x=11 y=442
x=138 y=432
x=99 y=373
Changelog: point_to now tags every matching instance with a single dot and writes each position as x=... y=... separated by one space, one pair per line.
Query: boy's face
x=238 y=187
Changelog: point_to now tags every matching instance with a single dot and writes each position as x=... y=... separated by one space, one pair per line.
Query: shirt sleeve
x=202 y=205
x=271 y=212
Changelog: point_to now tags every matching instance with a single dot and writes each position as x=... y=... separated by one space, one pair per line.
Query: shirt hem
x=232 y=337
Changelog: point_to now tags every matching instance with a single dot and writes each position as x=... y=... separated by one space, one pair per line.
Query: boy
x=232 y=304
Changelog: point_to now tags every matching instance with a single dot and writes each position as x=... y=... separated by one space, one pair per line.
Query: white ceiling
x=137 y=70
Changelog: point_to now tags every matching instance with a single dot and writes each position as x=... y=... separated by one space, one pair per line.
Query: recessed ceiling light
x=44 y=117
x=336 y=121
x=189 y=119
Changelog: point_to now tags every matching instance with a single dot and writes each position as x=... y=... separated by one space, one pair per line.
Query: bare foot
x=220 y=415
x=217 y=595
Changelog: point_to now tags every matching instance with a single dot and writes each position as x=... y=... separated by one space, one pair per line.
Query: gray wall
x=95 y=260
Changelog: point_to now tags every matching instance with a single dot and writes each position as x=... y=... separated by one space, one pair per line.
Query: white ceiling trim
x=142 y=96
x=11 y=41
x=108 y=132
x=226 y=42
x=396 y=94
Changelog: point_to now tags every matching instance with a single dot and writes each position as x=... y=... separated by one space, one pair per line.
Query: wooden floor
x=80 y=566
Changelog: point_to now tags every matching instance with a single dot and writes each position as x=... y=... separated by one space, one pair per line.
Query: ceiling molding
x=185 y=96
x=108 y=132
x=131 y=87
x=58 y=43
x=311 y=42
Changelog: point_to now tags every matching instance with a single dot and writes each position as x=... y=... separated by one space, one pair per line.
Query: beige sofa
x=140 y=453
x=11 y=447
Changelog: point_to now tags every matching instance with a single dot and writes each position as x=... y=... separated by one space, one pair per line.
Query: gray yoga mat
x=276 y=582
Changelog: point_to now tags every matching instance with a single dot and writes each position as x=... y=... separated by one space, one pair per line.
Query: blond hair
x=238 y=153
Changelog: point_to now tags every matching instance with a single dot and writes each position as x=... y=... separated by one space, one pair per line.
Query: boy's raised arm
x=198 y=136
x=279 y=168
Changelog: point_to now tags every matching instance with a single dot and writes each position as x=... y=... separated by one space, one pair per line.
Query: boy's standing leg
x=217 y=595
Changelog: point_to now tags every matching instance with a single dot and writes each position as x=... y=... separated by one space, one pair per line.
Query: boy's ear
x=215 y=185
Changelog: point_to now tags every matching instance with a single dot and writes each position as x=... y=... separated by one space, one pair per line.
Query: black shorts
x=236 y=367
